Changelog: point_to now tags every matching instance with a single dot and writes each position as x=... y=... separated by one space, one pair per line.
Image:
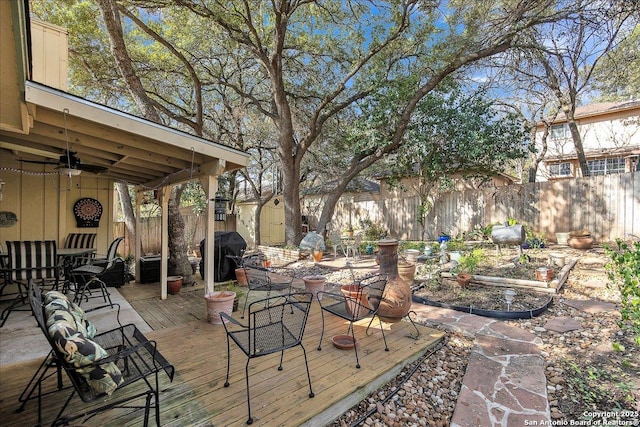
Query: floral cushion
x=71 y=332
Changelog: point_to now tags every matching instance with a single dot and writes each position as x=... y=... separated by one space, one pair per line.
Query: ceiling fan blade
x=39 y=162
x=92 y=168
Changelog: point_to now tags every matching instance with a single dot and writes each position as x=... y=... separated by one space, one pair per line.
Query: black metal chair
x=133 y=354
x=275 y=324
x=26 y=260
x=88 y=275
x=357 y=302
x=267 y=280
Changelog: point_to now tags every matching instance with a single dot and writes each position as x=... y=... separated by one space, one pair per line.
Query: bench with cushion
x=98 y=365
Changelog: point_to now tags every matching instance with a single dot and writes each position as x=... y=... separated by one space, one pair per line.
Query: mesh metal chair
x=88 y=275
x=356 y=302
x=275 y=325
x=136 y=358
x=267 y=280
x=29 y=260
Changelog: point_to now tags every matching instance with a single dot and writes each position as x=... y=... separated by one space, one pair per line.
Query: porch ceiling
x=130 y=149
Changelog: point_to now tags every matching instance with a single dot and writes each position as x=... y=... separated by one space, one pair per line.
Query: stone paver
x=504 y=383
x=591 y=306
x=562 y=324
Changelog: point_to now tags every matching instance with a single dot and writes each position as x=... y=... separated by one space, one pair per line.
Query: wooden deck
x=198 y=350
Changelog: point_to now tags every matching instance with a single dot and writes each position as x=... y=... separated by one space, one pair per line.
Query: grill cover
x=226 y=243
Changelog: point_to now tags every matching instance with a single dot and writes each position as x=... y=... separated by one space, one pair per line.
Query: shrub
x=624 y=271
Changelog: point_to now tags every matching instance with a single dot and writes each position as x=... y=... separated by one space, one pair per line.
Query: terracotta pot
x=411 y=255
x=317 y=255
x=407 y=272
x=544 y=274
x=314 y=284
x=581 y=242
x=241 y=277
x=352 y=293
x=219 y=302
x=266 y=263
x=463 y=279
x=174 y=283
x=396 y=301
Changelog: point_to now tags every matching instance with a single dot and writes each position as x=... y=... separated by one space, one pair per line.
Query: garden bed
x=488 y=301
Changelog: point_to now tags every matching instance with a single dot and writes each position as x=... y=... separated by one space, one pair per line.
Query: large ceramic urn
x=396 y=301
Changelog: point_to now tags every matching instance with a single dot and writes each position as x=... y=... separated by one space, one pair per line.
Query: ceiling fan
x=69 y=163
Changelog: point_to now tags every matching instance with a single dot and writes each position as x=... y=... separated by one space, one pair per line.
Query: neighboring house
x=57 y=149
x=610 y=134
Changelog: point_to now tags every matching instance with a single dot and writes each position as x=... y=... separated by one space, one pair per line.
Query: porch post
x=211 y=188
x=164 y=248
x=138 y=238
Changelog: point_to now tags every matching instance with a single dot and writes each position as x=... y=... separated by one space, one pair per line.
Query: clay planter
x=314 y=284
x=317 y=255
x=544 y=274
x=407 y=271
x=411 y=255
x=241 y=277
x=581 y=242
x=351 y=292
x=174 y=283
x=463 y=279
x=219 y=302
x=396 y=301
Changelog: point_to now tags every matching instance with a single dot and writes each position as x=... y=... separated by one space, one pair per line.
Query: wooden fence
x=607 y=205
x=150 y=228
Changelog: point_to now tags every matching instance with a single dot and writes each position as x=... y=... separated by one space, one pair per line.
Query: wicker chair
x=275 y=325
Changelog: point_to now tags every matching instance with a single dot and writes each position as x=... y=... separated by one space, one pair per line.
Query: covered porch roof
x=39 y=123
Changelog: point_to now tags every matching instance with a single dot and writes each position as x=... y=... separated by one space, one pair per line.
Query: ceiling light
x=69 y=171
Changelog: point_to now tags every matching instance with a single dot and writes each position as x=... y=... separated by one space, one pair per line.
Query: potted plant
x=314 y=284
x=580 y=239
x=317 y=252
x=454 y=249
x=467 y=265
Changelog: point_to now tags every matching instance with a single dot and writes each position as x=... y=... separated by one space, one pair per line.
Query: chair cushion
x=71 y=333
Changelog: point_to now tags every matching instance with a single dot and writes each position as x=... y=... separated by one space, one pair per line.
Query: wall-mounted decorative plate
x=8 y=219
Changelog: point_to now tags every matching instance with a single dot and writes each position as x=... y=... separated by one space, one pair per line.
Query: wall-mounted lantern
x=220 y=208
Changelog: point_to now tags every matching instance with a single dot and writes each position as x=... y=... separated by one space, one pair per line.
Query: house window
x=560 y=132
x=560 y=169
x=606 y=166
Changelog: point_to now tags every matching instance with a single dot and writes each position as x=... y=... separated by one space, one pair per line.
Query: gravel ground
x=585 y=376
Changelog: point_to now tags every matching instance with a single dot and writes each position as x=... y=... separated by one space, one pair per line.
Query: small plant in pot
x=467 y=265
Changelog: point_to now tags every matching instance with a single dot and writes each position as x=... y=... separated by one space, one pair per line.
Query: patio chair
x=266 y=280
x=353 y=247
x=275 y=325
x=28 y=260
x=356 y=302
x=336 y=242
x=88 y=275
x=100 y=366
x=84 y=241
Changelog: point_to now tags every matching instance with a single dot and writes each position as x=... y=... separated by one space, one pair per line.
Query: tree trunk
x=179 y=264
x=127 y=211
x=177 y=248
x=577 y=140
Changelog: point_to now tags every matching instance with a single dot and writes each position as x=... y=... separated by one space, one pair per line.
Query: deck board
x=199 y=353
